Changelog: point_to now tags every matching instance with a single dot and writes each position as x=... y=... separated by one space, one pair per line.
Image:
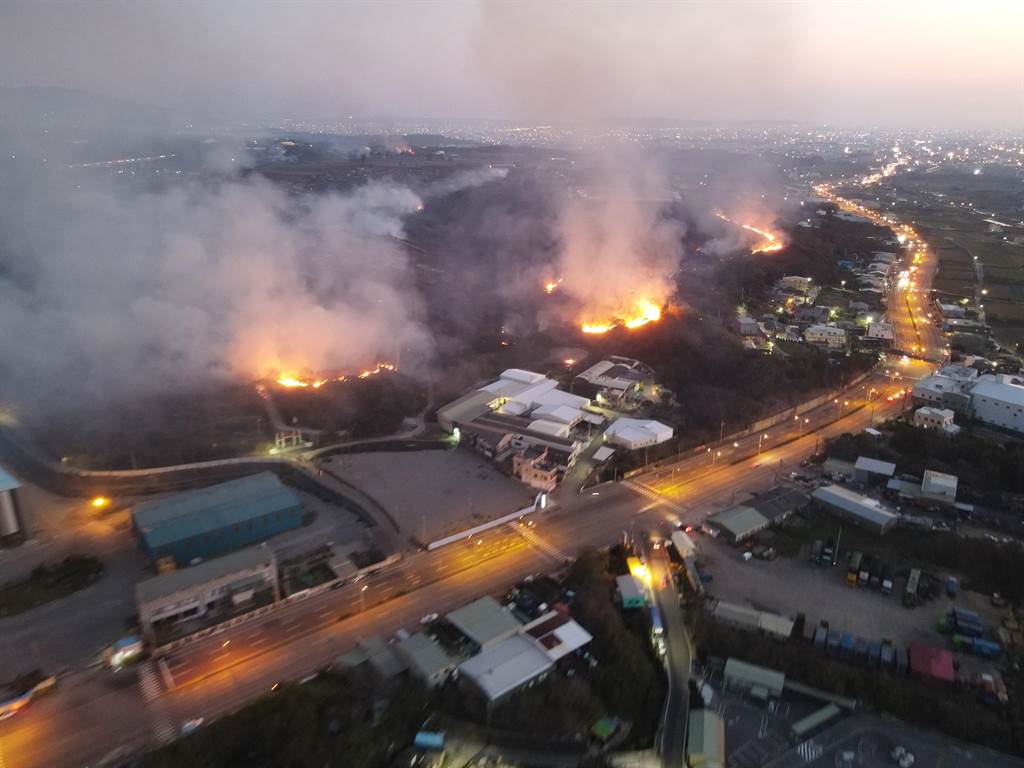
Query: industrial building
x=484 y=622
x=999 y=401
x=761 y=682
x=521 y=410
x=860 y=510
x=524 y=657
x=637 y=433
x=12 y=524
x=205 y=523
x=867 y=470
x=939 y=487
x=206 y=594
x=742 y=521
x=705 y=739
x=616 y=382
x=426 y=659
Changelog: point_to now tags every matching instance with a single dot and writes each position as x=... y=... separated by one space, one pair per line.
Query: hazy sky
x=899 y=61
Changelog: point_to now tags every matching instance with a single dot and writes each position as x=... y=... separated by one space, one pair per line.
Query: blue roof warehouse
x=208 y=522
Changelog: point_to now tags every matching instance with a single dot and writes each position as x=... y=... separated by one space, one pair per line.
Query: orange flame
x=552 y=285
x=298 y=381
x=643 y=312
x=770 y=242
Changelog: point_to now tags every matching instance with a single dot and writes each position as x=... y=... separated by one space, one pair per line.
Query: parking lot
x=433 y=493
x=793 y=585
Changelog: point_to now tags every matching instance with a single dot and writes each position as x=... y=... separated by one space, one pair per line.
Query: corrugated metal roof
x=167 y=584
x=854 y=504
x=875 y=466
x=753 y=675
x=7 y=481
x=506 y=666
x=483 y=621
x=424 y=655
x=184 y=515
x=705 y=739
x=740 y=520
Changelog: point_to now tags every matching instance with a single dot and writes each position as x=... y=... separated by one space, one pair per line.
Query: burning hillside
x=303 y=381
x=769 y=241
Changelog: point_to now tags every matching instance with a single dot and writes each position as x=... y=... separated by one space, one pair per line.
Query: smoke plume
x=619 y=250
x=108 y=292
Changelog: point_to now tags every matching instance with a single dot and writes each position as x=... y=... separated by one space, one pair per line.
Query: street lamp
x=715 y=456
x=803 y=423
x=362 y=598
x=759 y=439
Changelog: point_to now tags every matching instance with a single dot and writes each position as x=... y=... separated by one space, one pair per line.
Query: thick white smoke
x=114 y=295
x=619 y=252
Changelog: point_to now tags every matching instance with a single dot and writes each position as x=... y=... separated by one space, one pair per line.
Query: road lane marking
x=531 y=537
x=148 y=682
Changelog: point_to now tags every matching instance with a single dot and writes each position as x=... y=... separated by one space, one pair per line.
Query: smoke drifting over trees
x=114 y=294
x=618 y=251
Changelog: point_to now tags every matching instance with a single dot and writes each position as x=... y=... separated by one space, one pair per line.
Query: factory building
x=860 y=510
x=999 y=401
x=742 y=521
x=522 y=410
x=868 y=470
x=208 y=522
x=12 y=524
x=637 y=433
x=180 y=602
x=613 y=382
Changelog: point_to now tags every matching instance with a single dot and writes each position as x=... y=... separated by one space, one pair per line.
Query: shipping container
x=860 y=649
x=846 y=645
x=874 y=653
x=820 y=637
x=833 y=643
x=887 y=656
x=952 y=586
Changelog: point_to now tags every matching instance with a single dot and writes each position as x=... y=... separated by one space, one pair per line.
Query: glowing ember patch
x=552 y=285
x=291 y=381
x=596 y=327
x=294 y=381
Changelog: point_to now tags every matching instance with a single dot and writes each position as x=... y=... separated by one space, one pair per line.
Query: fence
x=752 y=429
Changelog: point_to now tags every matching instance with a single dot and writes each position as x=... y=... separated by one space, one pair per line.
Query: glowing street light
x=759 y=439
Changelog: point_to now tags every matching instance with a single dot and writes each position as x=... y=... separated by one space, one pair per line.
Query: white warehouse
x=999 y=401
x=637 y=433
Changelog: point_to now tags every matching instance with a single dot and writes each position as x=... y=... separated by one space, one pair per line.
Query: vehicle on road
x=747 y=556
x=190 y=725
x=430 y=618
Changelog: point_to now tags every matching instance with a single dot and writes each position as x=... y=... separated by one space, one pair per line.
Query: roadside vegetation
x=350 y=720
x=957 y=712
x=47 y=583
x=983 y=466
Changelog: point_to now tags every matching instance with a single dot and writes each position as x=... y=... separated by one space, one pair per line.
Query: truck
x=910 y=593
x=888 y=655
x=854 y=569
x=865 y=572
x=846 y=645
x=828 y=554
x=952 y=586
x=886 y=580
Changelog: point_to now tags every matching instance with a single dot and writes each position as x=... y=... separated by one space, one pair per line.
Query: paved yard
x=790 y=586
x=433 y=493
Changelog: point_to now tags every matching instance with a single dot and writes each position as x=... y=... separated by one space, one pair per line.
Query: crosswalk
x=149 y=684
x=810 y=750
x=643 y=490
x=527 y=533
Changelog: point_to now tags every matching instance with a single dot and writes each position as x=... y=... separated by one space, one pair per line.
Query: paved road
x=678 y=660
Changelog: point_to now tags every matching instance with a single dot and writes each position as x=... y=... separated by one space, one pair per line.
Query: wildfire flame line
x=771 y=243
x=642 y=313
x=295 y=381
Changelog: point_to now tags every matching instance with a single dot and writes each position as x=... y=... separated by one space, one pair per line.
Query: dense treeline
x=981 y=465
x=349 y=720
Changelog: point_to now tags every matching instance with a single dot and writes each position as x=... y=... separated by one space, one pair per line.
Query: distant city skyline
x=915 y=63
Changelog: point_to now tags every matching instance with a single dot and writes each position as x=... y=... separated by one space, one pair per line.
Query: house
x=936 y=418
x=938 y=486
x=826 y=335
